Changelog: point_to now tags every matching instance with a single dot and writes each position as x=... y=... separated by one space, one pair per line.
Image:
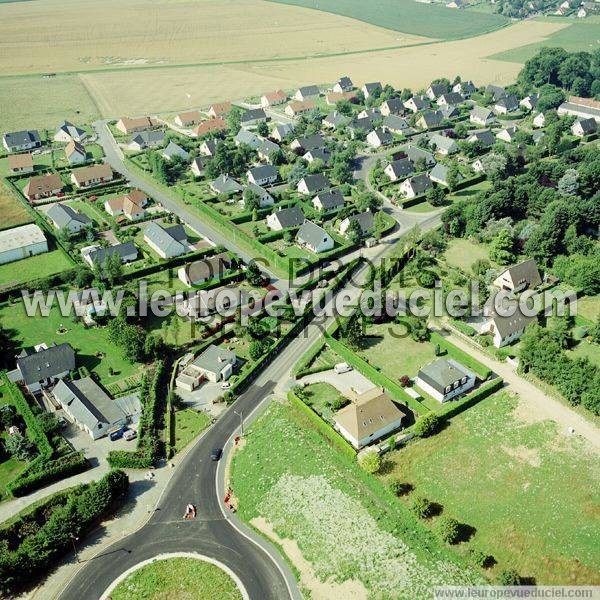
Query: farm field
x=505 y=476
x=433 y=21
x=365 y=541
x=34 y=267
x=178 y=579
x=579 y=35
x=12 y=211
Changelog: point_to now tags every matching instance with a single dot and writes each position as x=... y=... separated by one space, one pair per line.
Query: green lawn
x=11 y=467
x=101 y=219
x=13 y=212
x=321 y=397
x=512 y=481
x=585 y=349
x=92 y=346
x=34 y=267
x=395 y=356
x=462 y=253
x=178 y=579
x=426 y=20
x=346 y=525
x=189 y=424
x=588 y=307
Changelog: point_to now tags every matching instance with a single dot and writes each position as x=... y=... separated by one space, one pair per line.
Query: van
x=342 y=368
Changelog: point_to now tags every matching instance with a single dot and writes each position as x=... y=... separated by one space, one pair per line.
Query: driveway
x=343 y=382
x=203 y=398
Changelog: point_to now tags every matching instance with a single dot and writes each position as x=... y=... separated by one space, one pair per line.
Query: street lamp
x=75 y=539
x=241 y=416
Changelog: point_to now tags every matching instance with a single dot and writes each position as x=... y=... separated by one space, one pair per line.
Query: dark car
x=118 y=434
x=215 y=453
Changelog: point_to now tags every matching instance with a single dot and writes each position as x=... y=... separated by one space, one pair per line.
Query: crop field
x=12 y=211
x=577 y=35
x=498 y=472
x=365 y=542
x=429 y=20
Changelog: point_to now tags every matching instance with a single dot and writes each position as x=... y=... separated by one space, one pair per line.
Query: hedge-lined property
x=462 y=357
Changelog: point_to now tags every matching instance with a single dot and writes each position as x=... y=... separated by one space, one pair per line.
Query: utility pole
x=75 y=539
x=241 y=416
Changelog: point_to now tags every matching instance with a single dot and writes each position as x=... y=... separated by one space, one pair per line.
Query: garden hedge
x=459 y=355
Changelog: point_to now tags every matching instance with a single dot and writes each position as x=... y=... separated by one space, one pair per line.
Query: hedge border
x=461 y=356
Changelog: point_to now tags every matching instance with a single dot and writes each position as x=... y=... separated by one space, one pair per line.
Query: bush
x=449 y=530
x=427 y=425
x=398 y=488
x=370 y=461
x=422 y=507
x=509 y=577
x=481 y=559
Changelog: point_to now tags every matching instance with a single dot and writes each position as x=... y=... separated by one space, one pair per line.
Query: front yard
x=189 y=423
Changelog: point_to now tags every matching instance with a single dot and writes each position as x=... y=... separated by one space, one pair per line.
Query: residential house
x=480 y=115
x=312 y=184
x=415 y=153
x=477 y=166
x=580 y=107
x=311 y=142
x=416 y=185
x=314 y=238
x=85 y=177
x=439 y=174
x=435 y=90
x=495 y=91
x=444 y=379
x=332 y=98
x=379 y=137
x=507 y=134
x=211 y=126
x=295 y=109
x=450 y=112
x=223 y=300
x=43 y=186
x=21 y=242
x=529 y=102
x=225 y=185
x=205 y=269
x=322 y=154
x=507 y=329
x=273 y=99
x=267 y=149
x=130 y=205
x=307 y=92
x=174 y=150
x=466 y=88
x=214 y=364
x=372 y=89
x=189 y=118
x=335 y=119
x=343 y=84
x=147 y=139
x=219 y=110
x=399 y=169
x=520 y=277
x=67 y=132
x=417 y=103
x=44 y=365
x=95 y=255
x=253 y=116
x=485 y=138
x=368 y=417
x=281 y=132
x=443 y=144
x=65 y=218
x=430 y=119
x=262 y=175
x=264 y=198
x=167 y=242
x=75 y=153
x=198 y=165
x=365 y=221
x=455 y=4
x=451 y=99
x=583 y=127
x=537 y=136
x=128 y=125
x=396 y=124
x=285 y=218
x=89 y=407
x=248 y=138
x=374 y=114
x=539 y=120
x=507 y=104
x=328 y=201
x=20 y=163
x=209 y=146
x=18 y=141
x=393 y=106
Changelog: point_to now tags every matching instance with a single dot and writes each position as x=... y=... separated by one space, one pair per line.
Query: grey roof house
x=147 y=139
x=285 y=218
x=167 y=242
x=16 y=141
x=263 y=174
x=313 y=183
x=226 y=185
x=173 y=150
x=67 y=132
x=64 y=217
x=399 y=169
x=330 y=200
x=96 y=255
x=43 y=365
x=315 y=238
x=445 y=379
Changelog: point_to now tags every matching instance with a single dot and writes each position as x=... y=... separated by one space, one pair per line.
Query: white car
x=129 y=435
x=225 y=385
x=342 y=368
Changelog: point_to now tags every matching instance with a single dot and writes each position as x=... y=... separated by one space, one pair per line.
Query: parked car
x=215 y=453
x=342 y=368
x=118 y=434
x=225 y=385
x=129 y=435
x=62 y=422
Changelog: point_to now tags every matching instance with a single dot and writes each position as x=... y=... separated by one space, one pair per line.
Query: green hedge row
x=24 y=566
x=463 y=327
x=328 y=432
x=459 y=355
x=302 y=365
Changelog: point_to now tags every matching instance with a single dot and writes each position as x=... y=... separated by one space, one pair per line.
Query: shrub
x=449 y=530
x=405 y=381
x=398 y=488
x=370 y=461
x=509 y=577
x=481 y=559
x=427 y=425
x=422 y=507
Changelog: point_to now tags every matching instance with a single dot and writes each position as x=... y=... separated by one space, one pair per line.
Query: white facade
x=21 y=242
x=365 y=441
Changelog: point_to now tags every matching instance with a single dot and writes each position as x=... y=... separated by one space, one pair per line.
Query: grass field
x=508 y=479
x=462 y=253
x=27 y=269
x=408 y=16
x=188 y=424
x=321 y=396
x=178 y=579
x=580 y=34
x=589 y=307
x=11 y=467
x=364 y=541
x=12 y=211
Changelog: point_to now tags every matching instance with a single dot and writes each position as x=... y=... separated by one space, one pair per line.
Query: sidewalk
x=539 y=405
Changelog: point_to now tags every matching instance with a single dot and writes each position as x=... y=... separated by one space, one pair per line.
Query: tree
x=436 y=196
x=251 y=200
x=234 y=120
x=258 y=348
x=453 y=176
x=449 y=530
x=20 y=447
x=422 y=507
x=494 y=164
x=253 y=274
x=129 y=337
x=502 y=248
x=568 y=184
x=175 y=327
x=417 y=327
x=427 y=425
x=354 y=232
x=344 y=107
x=353 y=332
x=262 y=129
x=509 y=577
x=369 y=461
x=113 y=268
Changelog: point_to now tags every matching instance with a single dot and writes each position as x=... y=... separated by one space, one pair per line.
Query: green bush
x=449 y=530
x=427 y=425
x=369 y=461
x=509 y=577
x=422 y=507
x=464 y=328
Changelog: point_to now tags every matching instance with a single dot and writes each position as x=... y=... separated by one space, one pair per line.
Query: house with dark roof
x=365 y=221
x=18 y=141
x=214 y=364
x=466 y=88
x=174 y=150
x=330 y=200
x=485 y=138
x=415 y=153
x=95 y=255
x=450 y=112
x=370 y=89
x=167 y=242
x=75 y=153
x=67 y=132
x=282 y=131
x=439 y=174
x=417 y=103
x=430 y=119
x=335 y=119
x=307 y=92
x=310 y=142
x=506 y=104
x=416 y=185
x=444 y=379
x=247 y=138
x=322 y=154
x=399 y=169
x=505 y=320
x=262 y=175
x=396 y=124
x=379 y=137
x=530 y=102
x=264 y=197
x=442 y=144
x=480 y=115
x=65 y=218
x=520 y=277
x=312 y=184
x=583 y=127
x=314 y=238
x=392 y=106
x=209 y=146
x=147 y=139
x=226 y=185
x=285 y=218
x=495 y=91
x=267 y=149
x=44 y=365
x=343 y=84
x=435 y=90
x=451 y=99
x=205 y=269
x=253 y=116
x=198 y=165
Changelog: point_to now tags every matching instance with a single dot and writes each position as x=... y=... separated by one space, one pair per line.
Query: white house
x=399 y=169
x=517 y=278
x=285 y=217
x=583 y=127
x=44 y=365
x=214 y=364
x=262 y=175
x=312 y=184
x=314 y=238
x=444 y=379
x=21 y=242
x=415 y=186
x=167 y=242
x=67 y=132
x=379 y=137
x=64 y=218
x=481 y=116
x=539 y=120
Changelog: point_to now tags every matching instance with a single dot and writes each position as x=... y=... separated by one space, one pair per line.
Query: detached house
x=307 y=92
x=75 y=153
x=20 y=163
x=281 y=132
x=128 y=125
x=264 y=198
x=205 y=269
x=507 y=134
x=430 y=119
x=507 y=329
x=45 y=365
x=519 y=277
x=583 y=127
x=415 y=153
x=209 y=147
x=539 y=120
x=85 y=177
x=370 y=89
x=506 y=104
x=95 y=255
x=332 y=98
x=444 y=379
x=273 y=99
x=439 y=174
x=365 y=221
x=314 y=238
x=263 y=175
x=313 y=183
x=317 y=154
x=466 y=88
x=327 y=201
x=43 y=186
x=285 y=218
x=415 y=186
x=215 y=125
x=226 y=185
x=530 y=102
x=335 y=119
x=267 y=149
x=21 y=242
x=67 y=132
x=393 y=106
x=343 y=84
x=295 y=109
x=417 y=103
x=187 y=119
x=198 y=165
x=173 y=150
x=443 y=145
x=311 y=142
x=147 y=139
x=131 y=205
x=63 y=217
x=18 y=141
x=451 y=99
x=379 y=137
x=218 y=110
x=399 y=169
x=167 y=242
x=214 y=364
x=481 y=116
x=396 y=124
x=484 y=138
x=435 y=90
x=253 y=116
